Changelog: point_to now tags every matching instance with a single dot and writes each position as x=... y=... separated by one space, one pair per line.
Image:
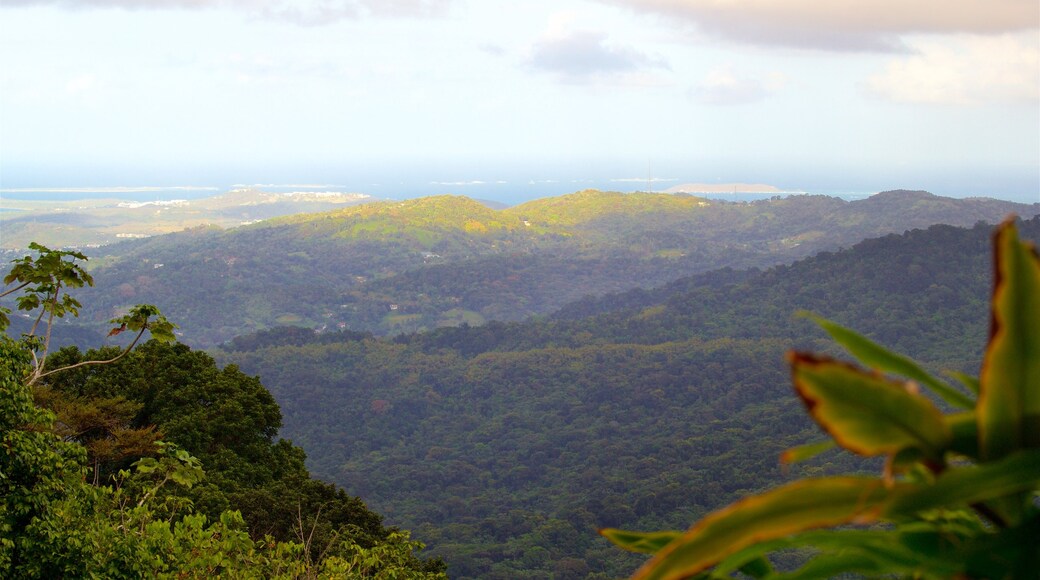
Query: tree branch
x=50 y=327
x=13 y=290
x=36 y=324
x=94 y=362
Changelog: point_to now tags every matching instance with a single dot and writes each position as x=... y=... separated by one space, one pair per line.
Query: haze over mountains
x=391 y=267
x=91 y=222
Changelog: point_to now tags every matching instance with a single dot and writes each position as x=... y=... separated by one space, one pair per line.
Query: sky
x=516 y=100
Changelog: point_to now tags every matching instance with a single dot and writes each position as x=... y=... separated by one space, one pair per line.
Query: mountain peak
x=902 y=194
x=590 y=204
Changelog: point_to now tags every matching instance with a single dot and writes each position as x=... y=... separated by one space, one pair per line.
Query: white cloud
x=492 y=49
x=965 y=71
x=841 y=25
x=110 y=190
x=289 y=185
x=723 y=87
x=473 y=182
x=308 y=13
x=586 y=56
x=641 y=179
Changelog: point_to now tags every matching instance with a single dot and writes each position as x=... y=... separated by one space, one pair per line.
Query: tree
x=958 y=494
x=37 y=469
x=42 y=280
x=141 y=522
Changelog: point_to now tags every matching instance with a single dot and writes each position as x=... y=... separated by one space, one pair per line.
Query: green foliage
x=37 y=469
x=880 y=358
x=41 y=279
x=140 y=319
x=435 y=255
x=159 y=519
x=868 y=414
x=230 y=422
x=391 y=559
x=958 y=510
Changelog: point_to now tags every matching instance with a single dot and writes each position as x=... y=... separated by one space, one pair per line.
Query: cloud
x=473 y=182
x=308 y=13
x=110 y=190
x=641 y=179
x=723 y=87
x=841 y=25
x=290 y=185
x=492 y=49
x=585 y=56
x=968 y=71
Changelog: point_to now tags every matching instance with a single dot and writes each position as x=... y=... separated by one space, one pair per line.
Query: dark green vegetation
x=506 y=445
x=142 y=454
x=399 y=267
x=958 y=494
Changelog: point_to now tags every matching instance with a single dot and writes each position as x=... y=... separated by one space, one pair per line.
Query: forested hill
x=506 y=445
x=398 y=267
x=879 y=285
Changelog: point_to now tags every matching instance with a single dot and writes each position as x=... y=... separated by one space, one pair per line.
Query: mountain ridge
x=391 y=267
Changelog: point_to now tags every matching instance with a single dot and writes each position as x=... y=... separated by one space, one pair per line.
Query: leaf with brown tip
x=793 y=508
x=1009 y=399
x=866 y=413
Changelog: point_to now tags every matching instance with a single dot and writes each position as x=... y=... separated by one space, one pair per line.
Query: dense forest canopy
x=641 y=410
x=399 y=267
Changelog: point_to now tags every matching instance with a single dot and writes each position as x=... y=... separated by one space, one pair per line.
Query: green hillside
x=415 y=218
x=508 y=444
x=589 y=205
x=399 y=267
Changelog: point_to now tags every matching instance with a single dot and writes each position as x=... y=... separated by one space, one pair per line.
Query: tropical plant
x=55 y=524
x=958 y=495
x=42 y=279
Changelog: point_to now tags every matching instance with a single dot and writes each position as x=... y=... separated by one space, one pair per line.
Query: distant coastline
x=726 y=188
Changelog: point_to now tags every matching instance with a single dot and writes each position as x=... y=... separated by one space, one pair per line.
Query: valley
x=641 y=410
x=504 y=382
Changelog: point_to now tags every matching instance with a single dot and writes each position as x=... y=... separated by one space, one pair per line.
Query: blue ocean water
x=512 y=186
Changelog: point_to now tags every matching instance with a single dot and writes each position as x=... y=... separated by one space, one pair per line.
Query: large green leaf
x=891 y=551
x=971 y=383
x=1009 y=401
x=965 y=431
x=866 y=413
x=878 y=357
x=806 y=452
x=641 y=542
x=1018 y=472
x=760 y=524
x=800 y=506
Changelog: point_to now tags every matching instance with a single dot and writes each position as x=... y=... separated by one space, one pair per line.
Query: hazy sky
x=804 y=94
